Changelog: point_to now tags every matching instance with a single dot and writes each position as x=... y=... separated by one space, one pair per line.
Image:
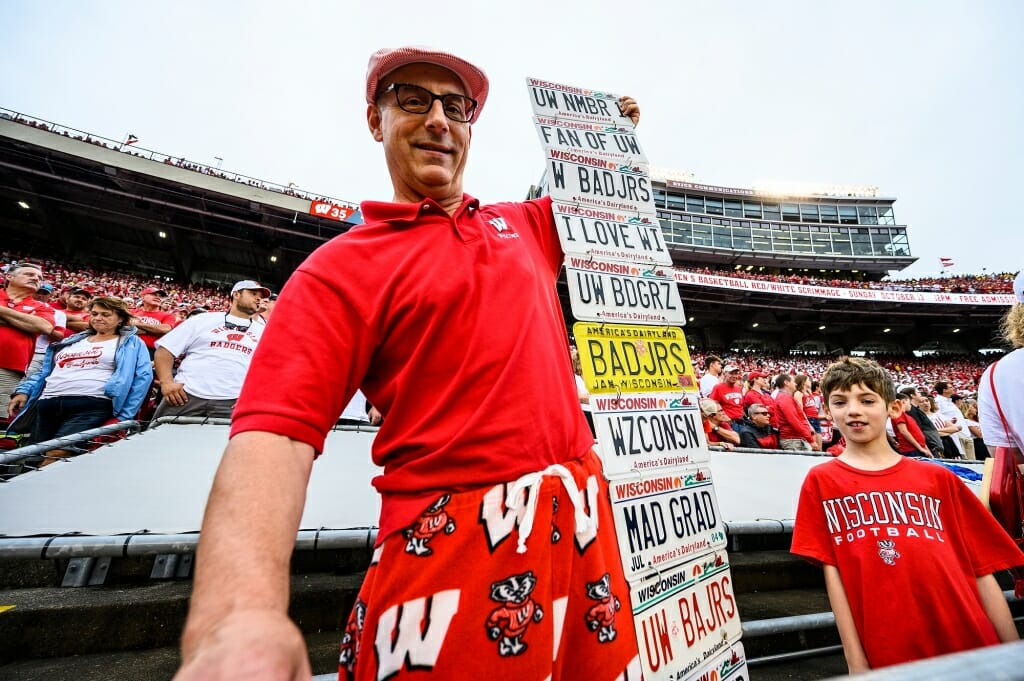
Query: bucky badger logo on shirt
x=507 y=623
x=887 y=552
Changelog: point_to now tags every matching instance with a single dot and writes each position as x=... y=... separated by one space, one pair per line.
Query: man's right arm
x=28 y=323
x=238 y=624
x=163 y=365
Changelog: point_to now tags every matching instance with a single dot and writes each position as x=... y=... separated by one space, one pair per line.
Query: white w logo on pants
x=411 y=642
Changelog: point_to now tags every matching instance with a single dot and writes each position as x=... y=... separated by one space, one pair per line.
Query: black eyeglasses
x=760 y=413
x=419 y=100
x=231 y=326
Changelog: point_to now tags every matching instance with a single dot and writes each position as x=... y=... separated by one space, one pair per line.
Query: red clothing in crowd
x=902 y=443
x=730 y=397
x=153 y=317
x=790 y=420
x=420 y=361
x=711 y=435
x=755 y=396
x=16 y=346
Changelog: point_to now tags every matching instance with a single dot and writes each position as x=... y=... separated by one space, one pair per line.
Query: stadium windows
x=751 y=209
x=762 y=239
x=809 y=212
x=790 y=212
x=881 y=241
x=675 y=202
x=801 y=242
x=733 y=209
x=694 y=204
x=841 y=243
x=848 y=215
x=659 y=198
x=861 y=241
x=741 y=238
x=723 y=237
x=681 y=233
x=714 y=206
x=899 y=243
x=701 y=235
x=885 y=216
x=867 y=214
x=821 y=243
x=829 y=214
x=771 y=211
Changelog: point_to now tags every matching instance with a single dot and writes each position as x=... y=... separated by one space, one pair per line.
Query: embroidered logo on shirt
x=887 y=552
x=504 y=231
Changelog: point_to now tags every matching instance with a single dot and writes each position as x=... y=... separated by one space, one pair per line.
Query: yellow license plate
x=617 y=358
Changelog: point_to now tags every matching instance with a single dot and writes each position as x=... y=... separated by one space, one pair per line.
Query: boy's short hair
x=851 y=371
x=780 y=380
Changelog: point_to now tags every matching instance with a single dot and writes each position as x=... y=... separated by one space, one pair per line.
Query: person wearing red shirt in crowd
x=909 y=437
x=758 y=393
x=150 y=320
x=463 y=463
x=729 y=393
x=76 y=300
x=717 y=425
x=795 y=432
x=22 y=319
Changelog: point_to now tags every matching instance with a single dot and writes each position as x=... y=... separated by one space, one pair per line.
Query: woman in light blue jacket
x=98 y=375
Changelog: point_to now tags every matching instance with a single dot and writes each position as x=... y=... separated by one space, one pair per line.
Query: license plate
x=685 y=614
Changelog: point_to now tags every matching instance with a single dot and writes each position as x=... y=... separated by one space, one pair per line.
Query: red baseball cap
x=153 y=289
x=386 y=60
x=756 y=374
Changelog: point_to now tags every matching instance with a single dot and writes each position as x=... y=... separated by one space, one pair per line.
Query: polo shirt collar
x=383 y=211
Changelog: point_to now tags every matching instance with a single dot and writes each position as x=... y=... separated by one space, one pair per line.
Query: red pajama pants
x=521 y=581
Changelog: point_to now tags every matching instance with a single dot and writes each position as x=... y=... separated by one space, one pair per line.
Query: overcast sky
x=922 y=99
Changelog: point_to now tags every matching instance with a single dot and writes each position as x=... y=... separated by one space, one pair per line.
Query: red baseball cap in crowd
x=386 y=60
x=153 y=289
x=756 y=374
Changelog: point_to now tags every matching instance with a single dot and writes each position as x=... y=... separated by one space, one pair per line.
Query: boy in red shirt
x=907 y=549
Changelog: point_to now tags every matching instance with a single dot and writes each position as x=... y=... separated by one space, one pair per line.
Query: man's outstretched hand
x=256 y=645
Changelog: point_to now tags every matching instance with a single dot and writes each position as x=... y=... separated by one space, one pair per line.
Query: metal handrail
x=40 y=448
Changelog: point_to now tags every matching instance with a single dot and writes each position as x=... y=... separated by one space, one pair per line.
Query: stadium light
x=273 y=258
x=956 y=330
x=821 y=328
x=162 y=234
x=690 y=319
x=24 y=205
x=886 y=330
x=755 y=325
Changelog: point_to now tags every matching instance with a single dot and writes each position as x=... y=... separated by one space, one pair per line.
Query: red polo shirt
x=153 y=317
x=451 y=326
x=16 y=346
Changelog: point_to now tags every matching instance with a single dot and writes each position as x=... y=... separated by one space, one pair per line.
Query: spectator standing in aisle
x=216 y=350
x=712 y=375
x=932 y=437
x=729 y=393
x=758 y=393
x=87 y=379
x=794 y=431
x=76 y=302
x=151 y=321
x=43 y=340
x=22 y=319
x=951 y=415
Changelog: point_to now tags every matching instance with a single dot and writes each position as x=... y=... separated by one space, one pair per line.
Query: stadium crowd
x=1001 y=282
x=159 y=305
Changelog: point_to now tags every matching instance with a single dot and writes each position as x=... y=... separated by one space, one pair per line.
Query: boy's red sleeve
x=810 y=535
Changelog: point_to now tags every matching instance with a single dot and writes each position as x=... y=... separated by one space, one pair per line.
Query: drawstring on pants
x=526 y=503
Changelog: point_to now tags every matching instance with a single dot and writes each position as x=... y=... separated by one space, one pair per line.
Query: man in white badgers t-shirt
x=216 y=348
